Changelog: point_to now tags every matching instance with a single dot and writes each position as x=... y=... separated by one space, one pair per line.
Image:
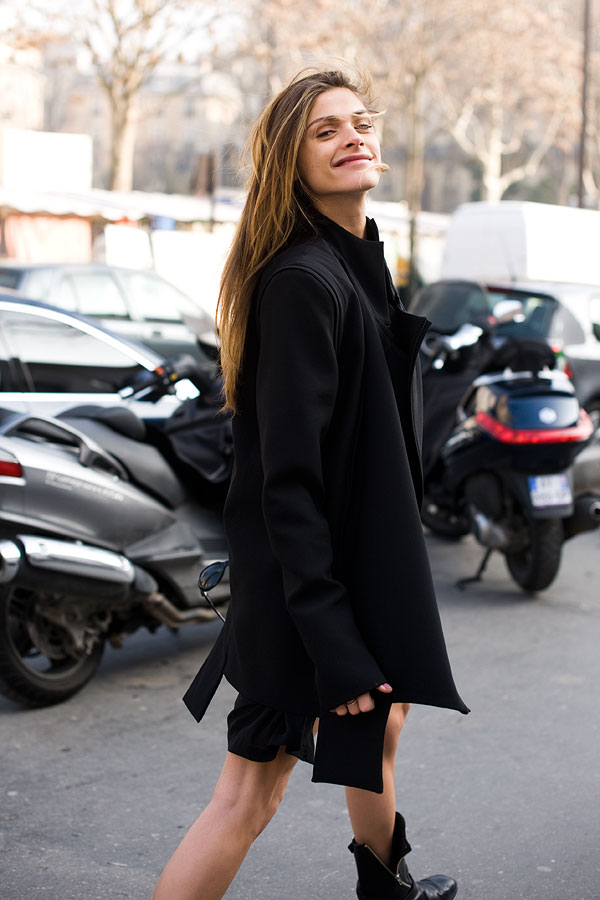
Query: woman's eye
x=325 y=133
x=364 y=126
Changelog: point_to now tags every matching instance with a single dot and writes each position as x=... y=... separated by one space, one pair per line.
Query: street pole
x=584 y=95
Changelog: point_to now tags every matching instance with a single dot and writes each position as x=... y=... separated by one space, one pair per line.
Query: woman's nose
x=354 y=137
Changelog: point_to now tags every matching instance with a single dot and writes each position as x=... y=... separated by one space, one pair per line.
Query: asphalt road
x=96 y=793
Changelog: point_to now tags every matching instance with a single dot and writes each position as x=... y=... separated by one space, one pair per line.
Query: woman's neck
x=347 y=211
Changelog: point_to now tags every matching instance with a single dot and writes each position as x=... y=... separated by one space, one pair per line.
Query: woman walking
x=333 y=615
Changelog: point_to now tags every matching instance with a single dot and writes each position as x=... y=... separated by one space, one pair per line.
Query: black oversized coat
x=331 y=591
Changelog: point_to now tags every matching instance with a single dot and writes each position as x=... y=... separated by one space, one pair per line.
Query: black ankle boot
x=378 y=882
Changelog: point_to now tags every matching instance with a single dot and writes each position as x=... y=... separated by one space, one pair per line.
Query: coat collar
x=364 y=258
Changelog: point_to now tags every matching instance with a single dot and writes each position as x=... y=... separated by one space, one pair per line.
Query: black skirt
x=257 y=732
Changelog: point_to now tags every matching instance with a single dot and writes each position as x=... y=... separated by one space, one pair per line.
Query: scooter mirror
x=466 y=336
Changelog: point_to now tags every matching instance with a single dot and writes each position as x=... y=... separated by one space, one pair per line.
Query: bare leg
x=372 y=815
x=245 y=799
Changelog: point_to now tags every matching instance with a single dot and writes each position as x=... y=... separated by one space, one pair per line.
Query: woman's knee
x=395 y=723
x=250 y=792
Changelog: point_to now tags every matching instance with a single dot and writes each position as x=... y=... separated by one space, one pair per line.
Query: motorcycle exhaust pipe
x=489 y=533
x=10 y=561
x=77 y=559
x=586 y=515
x=42 y=563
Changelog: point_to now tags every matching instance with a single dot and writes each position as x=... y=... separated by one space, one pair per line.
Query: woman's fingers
x=362 y=703
x=365 y=703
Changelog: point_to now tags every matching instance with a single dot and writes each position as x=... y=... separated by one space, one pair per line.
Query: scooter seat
x=144 y=463
x=119 y=418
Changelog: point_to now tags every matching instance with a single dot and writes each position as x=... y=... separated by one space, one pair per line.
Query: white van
x=514 y=241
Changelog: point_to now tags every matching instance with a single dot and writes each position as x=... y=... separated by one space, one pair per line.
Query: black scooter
x=104 y=527
x=504 y=456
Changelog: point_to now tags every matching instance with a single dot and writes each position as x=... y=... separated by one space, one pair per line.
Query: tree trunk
x=492 y=161
x=415 y=177
x=124 y=128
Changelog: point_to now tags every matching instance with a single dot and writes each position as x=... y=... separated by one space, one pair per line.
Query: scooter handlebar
x=163 y=378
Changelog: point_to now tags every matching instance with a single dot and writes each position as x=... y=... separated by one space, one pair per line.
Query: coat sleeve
x=297 y=379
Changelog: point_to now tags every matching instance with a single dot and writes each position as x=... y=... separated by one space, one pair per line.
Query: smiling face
x=339 y=156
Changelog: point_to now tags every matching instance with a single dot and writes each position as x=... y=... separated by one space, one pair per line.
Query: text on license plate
x=550 y=490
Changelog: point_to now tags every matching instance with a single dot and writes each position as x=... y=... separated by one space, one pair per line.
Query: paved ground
x=95 y=794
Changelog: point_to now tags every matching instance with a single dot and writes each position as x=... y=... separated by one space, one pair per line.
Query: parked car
x=51 y=359
x=565 y=315
x=135 y=303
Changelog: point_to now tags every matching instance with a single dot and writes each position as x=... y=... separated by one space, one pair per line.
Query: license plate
x=550 y=490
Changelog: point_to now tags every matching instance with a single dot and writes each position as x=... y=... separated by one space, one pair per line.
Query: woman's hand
x=363 y=703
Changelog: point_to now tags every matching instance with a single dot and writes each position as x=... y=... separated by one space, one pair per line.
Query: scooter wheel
x=536 y=566
x=35 y=669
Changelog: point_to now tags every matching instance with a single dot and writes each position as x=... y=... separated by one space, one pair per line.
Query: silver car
x=51 y=360
x=135 y=303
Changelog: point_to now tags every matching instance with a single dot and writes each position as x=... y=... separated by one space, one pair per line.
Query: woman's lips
x=352 y=159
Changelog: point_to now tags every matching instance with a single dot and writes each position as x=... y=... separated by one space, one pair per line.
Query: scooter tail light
x=580 y=432
x=10 y=467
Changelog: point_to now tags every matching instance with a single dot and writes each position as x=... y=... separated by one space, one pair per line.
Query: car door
x=52 y=361
x=580 y=335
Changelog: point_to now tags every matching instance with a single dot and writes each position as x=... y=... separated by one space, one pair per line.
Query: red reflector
x=10 y=469
x=580 y=432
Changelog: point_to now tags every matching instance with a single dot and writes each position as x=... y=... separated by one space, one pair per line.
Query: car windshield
x=155 y=299
x=451 y=304
x=536 y=319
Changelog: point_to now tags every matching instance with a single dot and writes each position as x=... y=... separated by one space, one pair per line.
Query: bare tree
x=127 y=40
x=281 y=37
x=510 y=87
x=590 y=152
x=403 y=45
x=408 y=49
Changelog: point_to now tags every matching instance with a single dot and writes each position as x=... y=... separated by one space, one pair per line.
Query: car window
x=595 y=316
x=10 y=372
x=9 y=278
x=94 y=294
x=60 y=357
x=37 y=283
x=566 y=328
x=155 y=299
x=64 y=295
x=537 y=316
x=451 y=304
x=33 y=282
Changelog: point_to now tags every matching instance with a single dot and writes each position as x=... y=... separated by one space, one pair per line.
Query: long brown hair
x=277 y=205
